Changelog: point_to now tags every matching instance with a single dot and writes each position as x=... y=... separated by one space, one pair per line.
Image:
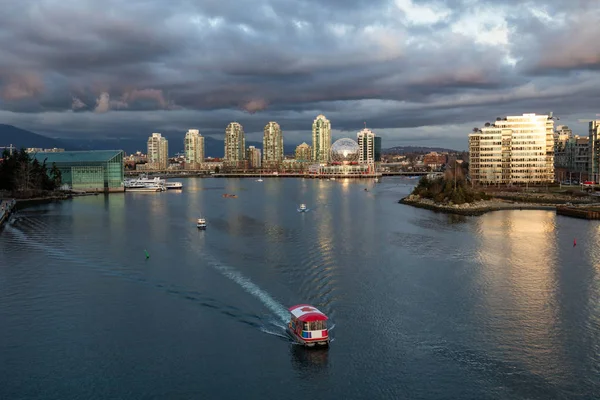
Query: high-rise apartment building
x=194 y=148
x=158 y=151
x=514 y=149
x=594 y=150
x=321 y=139
x=303 y=152
x=253 y=157
x=369 y=147
x=272 y=145
x=235 y=144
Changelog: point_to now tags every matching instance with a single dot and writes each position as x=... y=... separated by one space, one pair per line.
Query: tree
x=20 y=173
x=56 y=176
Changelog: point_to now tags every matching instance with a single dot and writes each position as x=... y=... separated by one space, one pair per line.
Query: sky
x=415 y=72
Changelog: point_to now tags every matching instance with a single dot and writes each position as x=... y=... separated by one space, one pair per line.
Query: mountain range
x=416 y=149
x=11 y=135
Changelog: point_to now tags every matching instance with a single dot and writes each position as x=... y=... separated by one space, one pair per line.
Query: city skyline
x=205 y=66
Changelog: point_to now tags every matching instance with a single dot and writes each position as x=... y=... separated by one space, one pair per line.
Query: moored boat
x=141 y=187
x=173 y=185
x=308 y=325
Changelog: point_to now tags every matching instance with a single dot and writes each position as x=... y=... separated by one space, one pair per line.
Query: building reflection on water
x=519 y=283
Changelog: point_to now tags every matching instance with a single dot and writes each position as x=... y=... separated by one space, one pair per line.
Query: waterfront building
x=594 y=150
x=321 y=139
x=303 y=152
x=92 y=171
x=253 y=156
x=370 y=147
x=272 y=145
x=514 y=149
x=235 y=145
x=193 y=148
x=158 y=152
x=571 y=155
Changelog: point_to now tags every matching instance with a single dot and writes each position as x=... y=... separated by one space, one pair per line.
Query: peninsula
x=453 y=194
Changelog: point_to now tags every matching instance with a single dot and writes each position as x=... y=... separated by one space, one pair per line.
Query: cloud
x=255 y=105
x=77 y=104
x=19 y=86
x=404 y=66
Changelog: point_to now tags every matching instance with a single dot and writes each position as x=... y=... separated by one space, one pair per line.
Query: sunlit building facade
x=321 y=139
x=158 y=152
x=235 y=145
x=370 y=147
x=514 y=149
x=594 y=150
x=303 y=152
x=193 y=148
x=254 y=157
x=272 y=145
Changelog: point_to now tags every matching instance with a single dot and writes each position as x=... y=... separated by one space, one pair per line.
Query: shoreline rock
x=476 y=208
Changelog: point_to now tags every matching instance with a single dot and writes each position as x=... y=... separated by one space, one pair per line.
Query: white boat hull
x=143 y=189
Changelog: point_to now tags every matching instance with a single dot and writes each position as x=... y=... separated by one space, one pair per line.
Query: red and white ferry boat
x=308 y=325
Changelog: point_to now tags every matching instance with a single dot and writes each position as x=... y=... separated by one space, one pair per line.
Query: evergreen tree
x=20 y=173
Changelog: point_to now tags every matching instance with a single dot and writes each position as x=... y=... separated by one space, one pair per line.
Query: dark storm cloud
x=143 y=66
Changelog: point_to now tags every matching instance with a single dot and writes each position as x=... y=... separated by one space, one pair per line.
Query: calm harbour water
x=425 y=305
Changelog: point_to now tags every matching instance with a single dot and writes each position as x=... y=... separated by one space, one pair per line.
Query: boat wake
x=56 y=250
x=275 y=328
x=250 y=287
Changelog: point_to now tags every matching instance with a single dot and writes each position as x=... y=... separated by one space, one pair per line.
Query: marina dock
x=579 y=212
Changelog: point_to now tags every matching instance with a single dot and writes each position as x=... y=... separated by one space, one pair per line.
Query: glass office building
x=377 y=155
x=97 y=171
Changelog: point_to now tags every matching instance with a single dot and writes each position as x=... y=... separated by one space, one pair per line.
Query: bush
x=442 y=190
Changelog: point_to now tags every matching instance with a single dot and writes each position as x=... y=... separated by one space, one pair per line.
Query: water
x=424 y=305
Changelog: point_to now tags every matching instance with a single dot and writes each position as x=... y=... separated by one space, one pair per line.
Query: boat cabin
x=308 y=325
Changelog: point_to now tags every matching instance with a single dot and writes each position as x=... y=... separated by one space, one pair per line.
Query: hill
x=21 y=138
x=417 y=149
x=212 y=147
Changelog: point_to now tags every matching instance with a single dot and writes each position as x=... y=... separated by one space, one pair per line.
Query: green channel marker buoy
x=147 y=255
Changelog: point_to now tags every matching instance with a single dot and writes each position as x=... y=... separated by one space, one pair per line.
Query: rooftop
x=77 y=156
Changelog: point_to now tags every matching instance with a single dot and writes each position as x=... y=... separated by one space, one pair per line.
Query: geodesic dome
x=344 y=150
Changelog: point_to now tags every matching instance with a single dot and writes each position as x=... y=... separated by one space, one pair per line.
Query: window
x=317 y=325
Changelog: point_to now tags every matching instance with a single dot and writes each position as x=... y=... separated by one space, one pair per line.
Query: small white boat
x=173 y=185
x=302 y=208
x=201 y=223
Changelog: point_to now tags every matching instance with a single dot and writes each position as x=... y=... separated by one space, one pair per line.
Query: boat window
x=318 y=325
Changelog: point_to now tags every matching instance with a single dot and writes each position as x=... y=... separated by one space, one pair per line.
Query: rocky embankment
x=545 y=198
x=482 y=206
